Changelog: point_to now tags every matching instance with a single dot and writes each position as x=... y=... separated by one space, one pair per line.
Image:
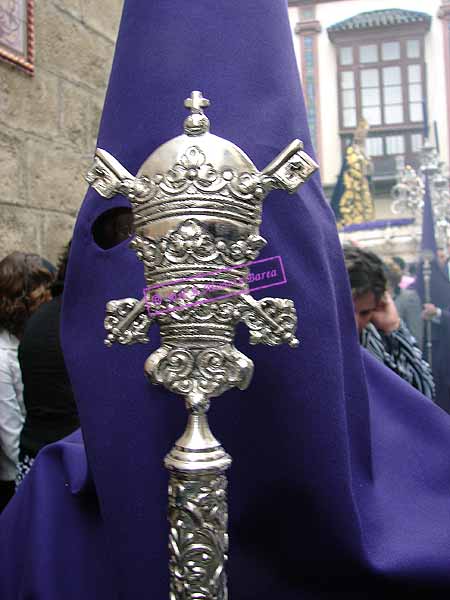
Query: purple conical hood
x=340 y=478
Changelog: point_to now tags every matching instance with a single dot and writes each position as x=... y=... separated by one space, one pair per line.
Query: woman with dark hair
x=51 y=413
x=24 y=285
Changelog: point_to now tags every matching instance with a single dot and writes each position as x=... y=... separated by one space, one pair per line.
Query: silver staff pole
x=197 y=207
x=427 y=257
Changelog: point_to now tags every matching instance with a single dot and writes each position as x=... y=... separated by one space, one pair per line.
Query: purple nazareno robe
x=341 y=475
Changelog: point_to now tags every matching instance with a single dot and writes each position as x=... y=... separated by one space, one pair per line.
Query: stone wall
x=49 y=123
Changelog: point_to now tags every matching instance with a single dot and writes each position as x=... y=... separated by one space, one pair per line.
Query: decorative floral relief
x=192 y=167
x=191 y=243
x=223 y=313
x=276 y=324
x=198 y=540
x=193 y=172
x=117 y=312
x=209 y=372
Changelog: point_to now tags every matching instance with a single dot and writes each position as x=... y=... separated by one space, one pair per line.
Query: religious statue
x=356 y=203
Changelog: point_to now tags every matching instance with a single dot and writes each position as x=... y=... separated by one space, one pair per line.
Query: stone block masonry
x=49 y=123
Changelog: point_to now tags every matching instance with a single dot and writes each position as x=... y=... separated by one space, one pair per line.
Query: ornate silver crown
x=200 y=175
x=197 y=206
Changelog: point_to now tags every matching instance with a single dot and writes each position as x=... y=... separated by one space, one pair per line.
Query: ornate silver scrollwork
x=407 y=194
x=197 y=206
x=409 y=191
x=126 y=322
x=436 y=171
x=198 y=537
x=208 y=372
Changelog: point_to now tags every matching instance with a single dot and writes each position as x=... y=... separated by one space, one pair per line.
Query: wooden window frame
x=378 y=36
x=384 y=166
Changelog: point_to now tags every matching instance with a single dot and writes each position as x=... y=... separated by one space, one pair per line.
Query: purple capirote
x=340 y=482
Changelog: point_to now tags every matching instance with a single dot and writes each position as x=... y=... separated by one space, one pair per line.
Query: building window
x=413 y=49
x=307 y=12
x=393 y=95
x=384 y=82
x=415 y=93
x=416 y=142
x=390 y=51
x=389 y=145
x=390 y=150
x=374 y=146
x=370 y=96
x=368 y=54
x=346 y=55
x=386 y=85
x=348 y=99
x=395 y=144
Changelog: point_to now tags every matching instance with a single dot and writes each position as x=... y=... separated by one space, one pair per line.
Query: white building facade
x=389 y=62
x=374 y=58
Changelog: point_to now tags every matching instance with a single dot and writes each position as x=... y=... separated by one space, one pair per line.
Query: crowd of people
x=391 y=312
x=36 y=401
x=37 y=406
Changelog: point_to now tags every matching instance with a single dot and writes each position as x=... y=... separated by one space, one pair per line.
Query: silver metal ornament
x=197 y=207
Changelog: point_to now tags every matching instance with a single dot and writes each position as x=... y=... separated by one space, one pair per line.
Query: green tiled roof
x=381 y=18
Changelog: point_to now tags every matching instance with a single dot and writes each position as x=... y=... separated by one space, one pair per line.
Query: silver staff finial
x=196 y=102
x=197 y=207
x=197 y=122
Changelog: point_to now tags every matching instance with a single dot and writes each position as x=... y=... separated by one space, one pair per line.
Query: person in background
x=412 y=269
x=407 y=279
x=444 y=261
x=447 y=264
x=436 y=303
x=406 y=299
x=380 y=328
x=50 y=405
x=440 y=319
x=51 y=412
x=24 y=286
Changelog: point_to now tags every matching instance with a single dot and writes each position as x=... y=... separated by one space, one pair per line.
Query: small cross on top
x=196 y=103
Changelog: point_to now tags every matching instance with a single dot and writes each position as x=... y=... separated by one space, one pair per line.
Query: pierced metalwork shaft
x=198 y=512
x=428 y=326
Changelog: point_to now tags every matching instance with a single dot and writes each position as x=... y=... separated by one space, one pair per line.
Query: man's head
x=398 y=260
x=393 y=274
x=367 y=280
x=442 y=256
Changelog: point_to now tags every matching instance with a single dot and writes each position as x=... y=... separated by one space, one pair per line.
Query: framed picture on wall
x=17 y=33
